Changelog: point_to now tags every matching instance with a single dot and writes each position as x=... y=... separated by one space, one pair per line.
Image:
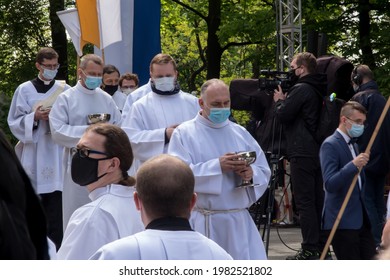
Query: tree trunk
x=365 y=33
x=214 y=49
x=58 y=36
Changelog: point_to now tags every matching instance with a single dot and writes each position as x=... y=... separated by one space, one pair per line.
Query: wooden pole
x=351 y=187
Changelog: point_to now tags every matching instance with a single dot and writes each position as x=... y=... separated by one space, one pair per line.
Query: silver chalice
x=249 y=158
x=97 y=118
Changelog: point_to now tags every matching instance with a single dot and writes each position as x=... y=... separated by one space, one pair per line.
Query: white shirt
x=40 y=156
x=120 y=99
x=221 y=207
x=111 y=215
x=162 y=245
x=353 y=152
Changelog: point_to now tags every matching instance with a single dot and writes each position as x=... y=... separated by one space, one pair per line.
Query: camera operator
x=298 y=110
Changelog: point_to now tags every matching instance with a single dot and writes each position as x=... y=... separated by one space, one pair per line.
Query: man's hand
x=232 y=162
x=361 y=160
x=278 y=94
x=41 y=114
x=386 y=235
x=170 y=130
x=246 y=173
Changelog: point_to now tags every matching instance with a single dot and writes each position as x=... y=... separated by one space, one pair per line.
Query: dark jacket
x=22 y=220
x=299 y=114
x=370 y=97
x=338 y=172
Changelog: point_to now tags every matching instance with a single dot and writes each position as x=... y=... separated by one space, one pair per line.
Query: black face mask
x=84 y=170
x=110 y=89
x=293 y=78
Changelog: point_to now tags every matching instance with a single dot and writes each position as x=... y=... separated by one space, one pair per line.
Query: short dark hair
x=162 y=59
x=308 y=60
x=129 y=76
x=46 y=53
x=165 y=185
x=117 y=144
x=109 y=68
x=349 y=106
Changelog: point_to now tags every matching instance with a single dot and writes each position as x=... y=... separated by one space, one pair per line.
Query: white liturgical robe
x=151 y=115
x=134 y=96
x=40 y=156
x=68 y=121
x=162 y=245
x=221 y=209
x=120 y=99
x=110 y=216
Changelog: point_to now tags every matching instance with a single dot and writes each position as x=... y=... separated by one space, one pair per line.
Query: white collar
x=209 y=123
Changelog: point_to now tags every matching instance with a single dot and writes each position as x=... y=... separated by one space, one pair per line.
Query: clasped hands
x=233 y=162
x=42 y=113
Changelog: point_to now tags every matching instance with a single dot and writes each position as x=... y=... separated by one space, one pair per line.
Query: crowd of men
x=129 y=172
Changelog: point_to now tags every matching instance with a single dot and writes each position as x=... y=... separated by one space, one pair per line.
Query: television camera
x=272 y=79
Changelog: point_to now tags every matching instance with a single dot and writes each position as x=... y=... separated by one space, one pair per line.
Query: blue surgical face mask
x=356 y=130
x=219 y=115
x=49 y=74
x=92 y=82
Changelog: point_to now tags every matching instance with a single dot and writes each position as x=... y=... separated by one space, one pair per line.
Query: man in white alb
x=69 y=119
x=208 y=144
x=153 y=118
x=28 y=119
x=165 y=196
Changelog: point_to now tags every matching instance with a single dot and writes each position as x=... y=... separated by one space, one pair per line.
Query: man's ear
x=115 y=162
x=201 y=103
x=138 y=203
x=37 y=66
x=193 y=201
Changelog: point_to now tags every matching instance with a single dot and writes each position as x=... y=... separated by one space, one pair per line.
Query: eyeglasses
x=84 y=152
x=50 y=66
x=126 y=87
x=359 y=122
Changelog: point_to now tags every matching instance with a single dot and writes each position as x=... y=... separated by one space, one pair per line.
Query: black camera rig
x=272 y=79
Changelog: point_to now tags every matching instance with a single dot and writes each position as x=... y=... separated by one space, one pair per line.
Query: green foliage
x=184 y=36
x=25 y=28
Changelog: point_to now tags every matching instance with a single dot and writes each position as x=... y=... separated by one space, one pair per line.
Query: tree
x=228 y=24
x=357 y=30
x=58 y=36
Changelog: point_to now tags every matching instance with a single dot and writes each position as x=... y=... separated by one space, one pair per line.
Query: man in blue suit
x=340 y=162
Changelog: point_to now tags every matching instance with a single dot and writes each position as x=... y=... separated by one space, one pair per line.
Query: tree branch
x=234 y=44
x=191 y=9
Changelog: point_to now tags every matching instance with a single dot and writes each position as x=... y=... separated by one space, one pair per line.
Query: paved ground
x=283 y=241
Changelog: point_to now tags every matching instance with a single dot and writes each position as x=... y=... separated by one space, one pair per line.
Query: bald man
x=165 y=196
x=209 y=144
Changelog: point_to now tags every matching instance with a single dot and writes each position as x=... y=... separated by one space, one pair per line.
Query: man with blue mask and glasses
x=209 y=144
x=69 y=118
x=41 y=157
x=340 y=163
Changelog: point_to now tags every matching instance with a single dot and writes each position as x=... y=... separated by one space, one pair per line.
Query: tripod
x=276 y=165
x=263 y=208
